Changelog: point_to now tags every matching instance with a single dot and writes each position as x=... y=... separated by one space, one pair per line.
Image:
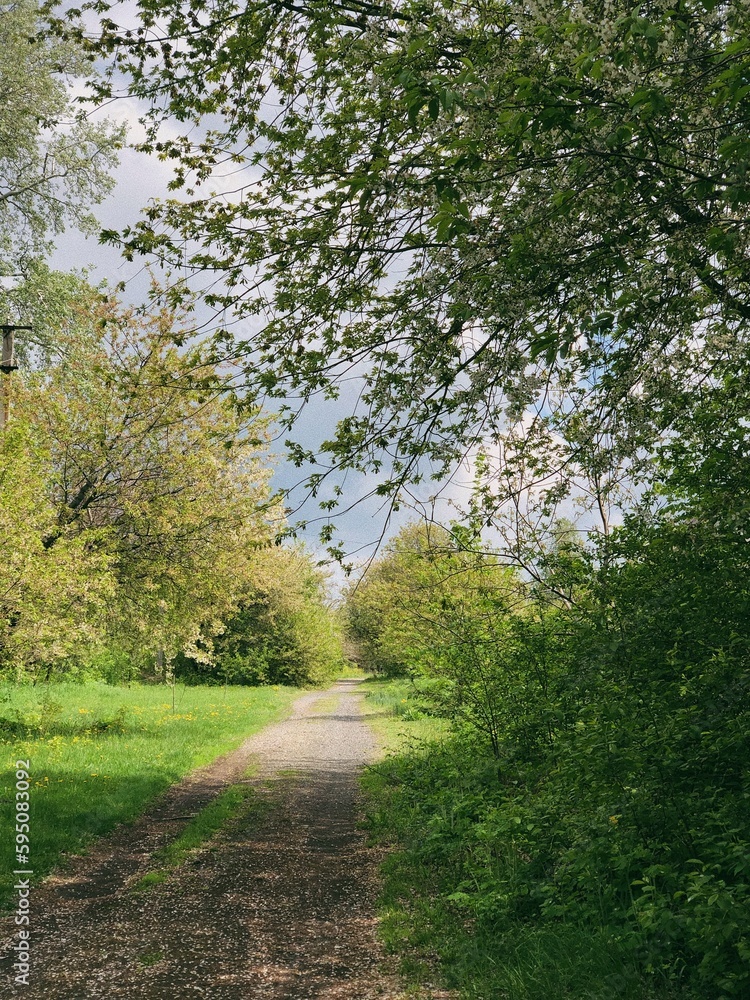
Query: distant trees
x=282 y=631
x=136 y=499
x=382 y=607
x=477 y=637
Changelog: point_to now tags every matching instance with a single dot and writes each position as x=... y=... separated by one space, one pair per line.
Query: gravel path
x=280 y=907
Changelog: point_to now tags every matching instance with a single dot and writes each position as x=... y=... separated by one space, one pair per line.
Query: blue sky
x=141 y=177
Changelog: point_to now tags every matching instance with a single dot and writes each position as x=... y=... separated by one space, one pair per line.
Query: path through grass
x=99 y=754
x=240 y=798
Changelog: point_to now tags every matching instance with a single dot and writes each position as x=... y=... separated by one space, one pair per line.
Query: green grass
x=99 y=754
x=327 y=705
x=350 y=671
x=149 y=958
x=397 y=714
x=200 y=831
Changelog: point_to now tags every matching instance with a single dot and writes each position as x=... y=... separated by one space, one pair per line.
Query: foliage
x=461 y=622
x=139 y=519
x=458 y=887
x=378 y=606
x=612 y=808
x=463 y=206
x=53 y=599
x=139 y=489
x=523 y=228
x=55 y=164
x=598 y=784
x=54 y=160
x=173 y=472
x=282 y=632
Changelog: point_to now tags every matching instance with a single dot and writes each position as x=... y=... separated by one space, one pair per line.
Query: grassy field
x=98 y=754
x=396 y=714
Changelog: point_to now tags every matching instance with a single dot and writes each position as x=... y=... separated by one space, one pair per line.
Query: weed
x=225 y=807
x=149 y=958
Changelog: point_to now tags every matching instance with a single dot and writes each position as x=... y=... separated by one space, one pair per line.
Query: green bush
x=596 y=784
x=283 y=631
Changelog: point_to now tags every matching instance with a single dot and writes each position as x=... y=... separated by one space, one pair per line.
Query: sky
x=366 y=525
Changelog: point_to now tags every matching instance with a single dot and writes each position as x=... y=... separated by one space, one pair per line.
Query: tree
x=283 y=629
x=522 y=223
x=55 y=164
x=382 y=605
x=53 y=601
x=54 y=161
x=158 y=479
x=456 y=203
x=458 y=620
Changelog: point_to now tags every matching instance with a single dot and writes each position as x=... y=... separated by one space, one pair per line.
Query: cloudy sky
x=363 y=524
x=141 y=177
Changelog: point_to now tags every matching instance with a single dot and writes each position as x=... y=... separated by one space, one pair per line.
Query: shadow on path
x=280 y=906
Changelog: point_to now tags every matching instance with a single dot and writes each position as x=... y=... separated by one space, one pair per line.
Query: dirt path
x=281 y=909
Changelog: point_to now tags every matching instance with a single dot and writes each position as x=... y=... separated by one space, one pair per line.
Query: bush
x=283 y=631
x=597 y=776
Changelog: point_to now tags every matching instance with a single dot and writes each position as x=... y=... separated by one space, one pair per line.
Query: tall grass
x=397 y=714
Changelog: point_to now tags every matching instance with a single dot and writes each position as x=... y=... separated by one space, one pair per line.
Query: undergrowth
x=466 y=881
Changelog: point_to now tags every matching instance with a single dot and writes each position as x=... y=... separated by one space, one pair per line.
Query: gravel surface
x=280 y=906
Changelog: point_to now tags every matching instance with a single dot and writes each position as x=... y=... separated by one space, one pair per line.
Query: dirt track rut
x=280 y=908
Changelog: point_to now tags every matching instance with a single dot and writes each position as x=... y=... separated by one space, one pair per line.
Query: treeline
x=586 y=828
x=137 y=521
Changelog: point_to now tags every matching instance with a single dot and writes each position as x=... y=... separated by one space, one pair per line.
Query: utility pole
x=7 y=367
